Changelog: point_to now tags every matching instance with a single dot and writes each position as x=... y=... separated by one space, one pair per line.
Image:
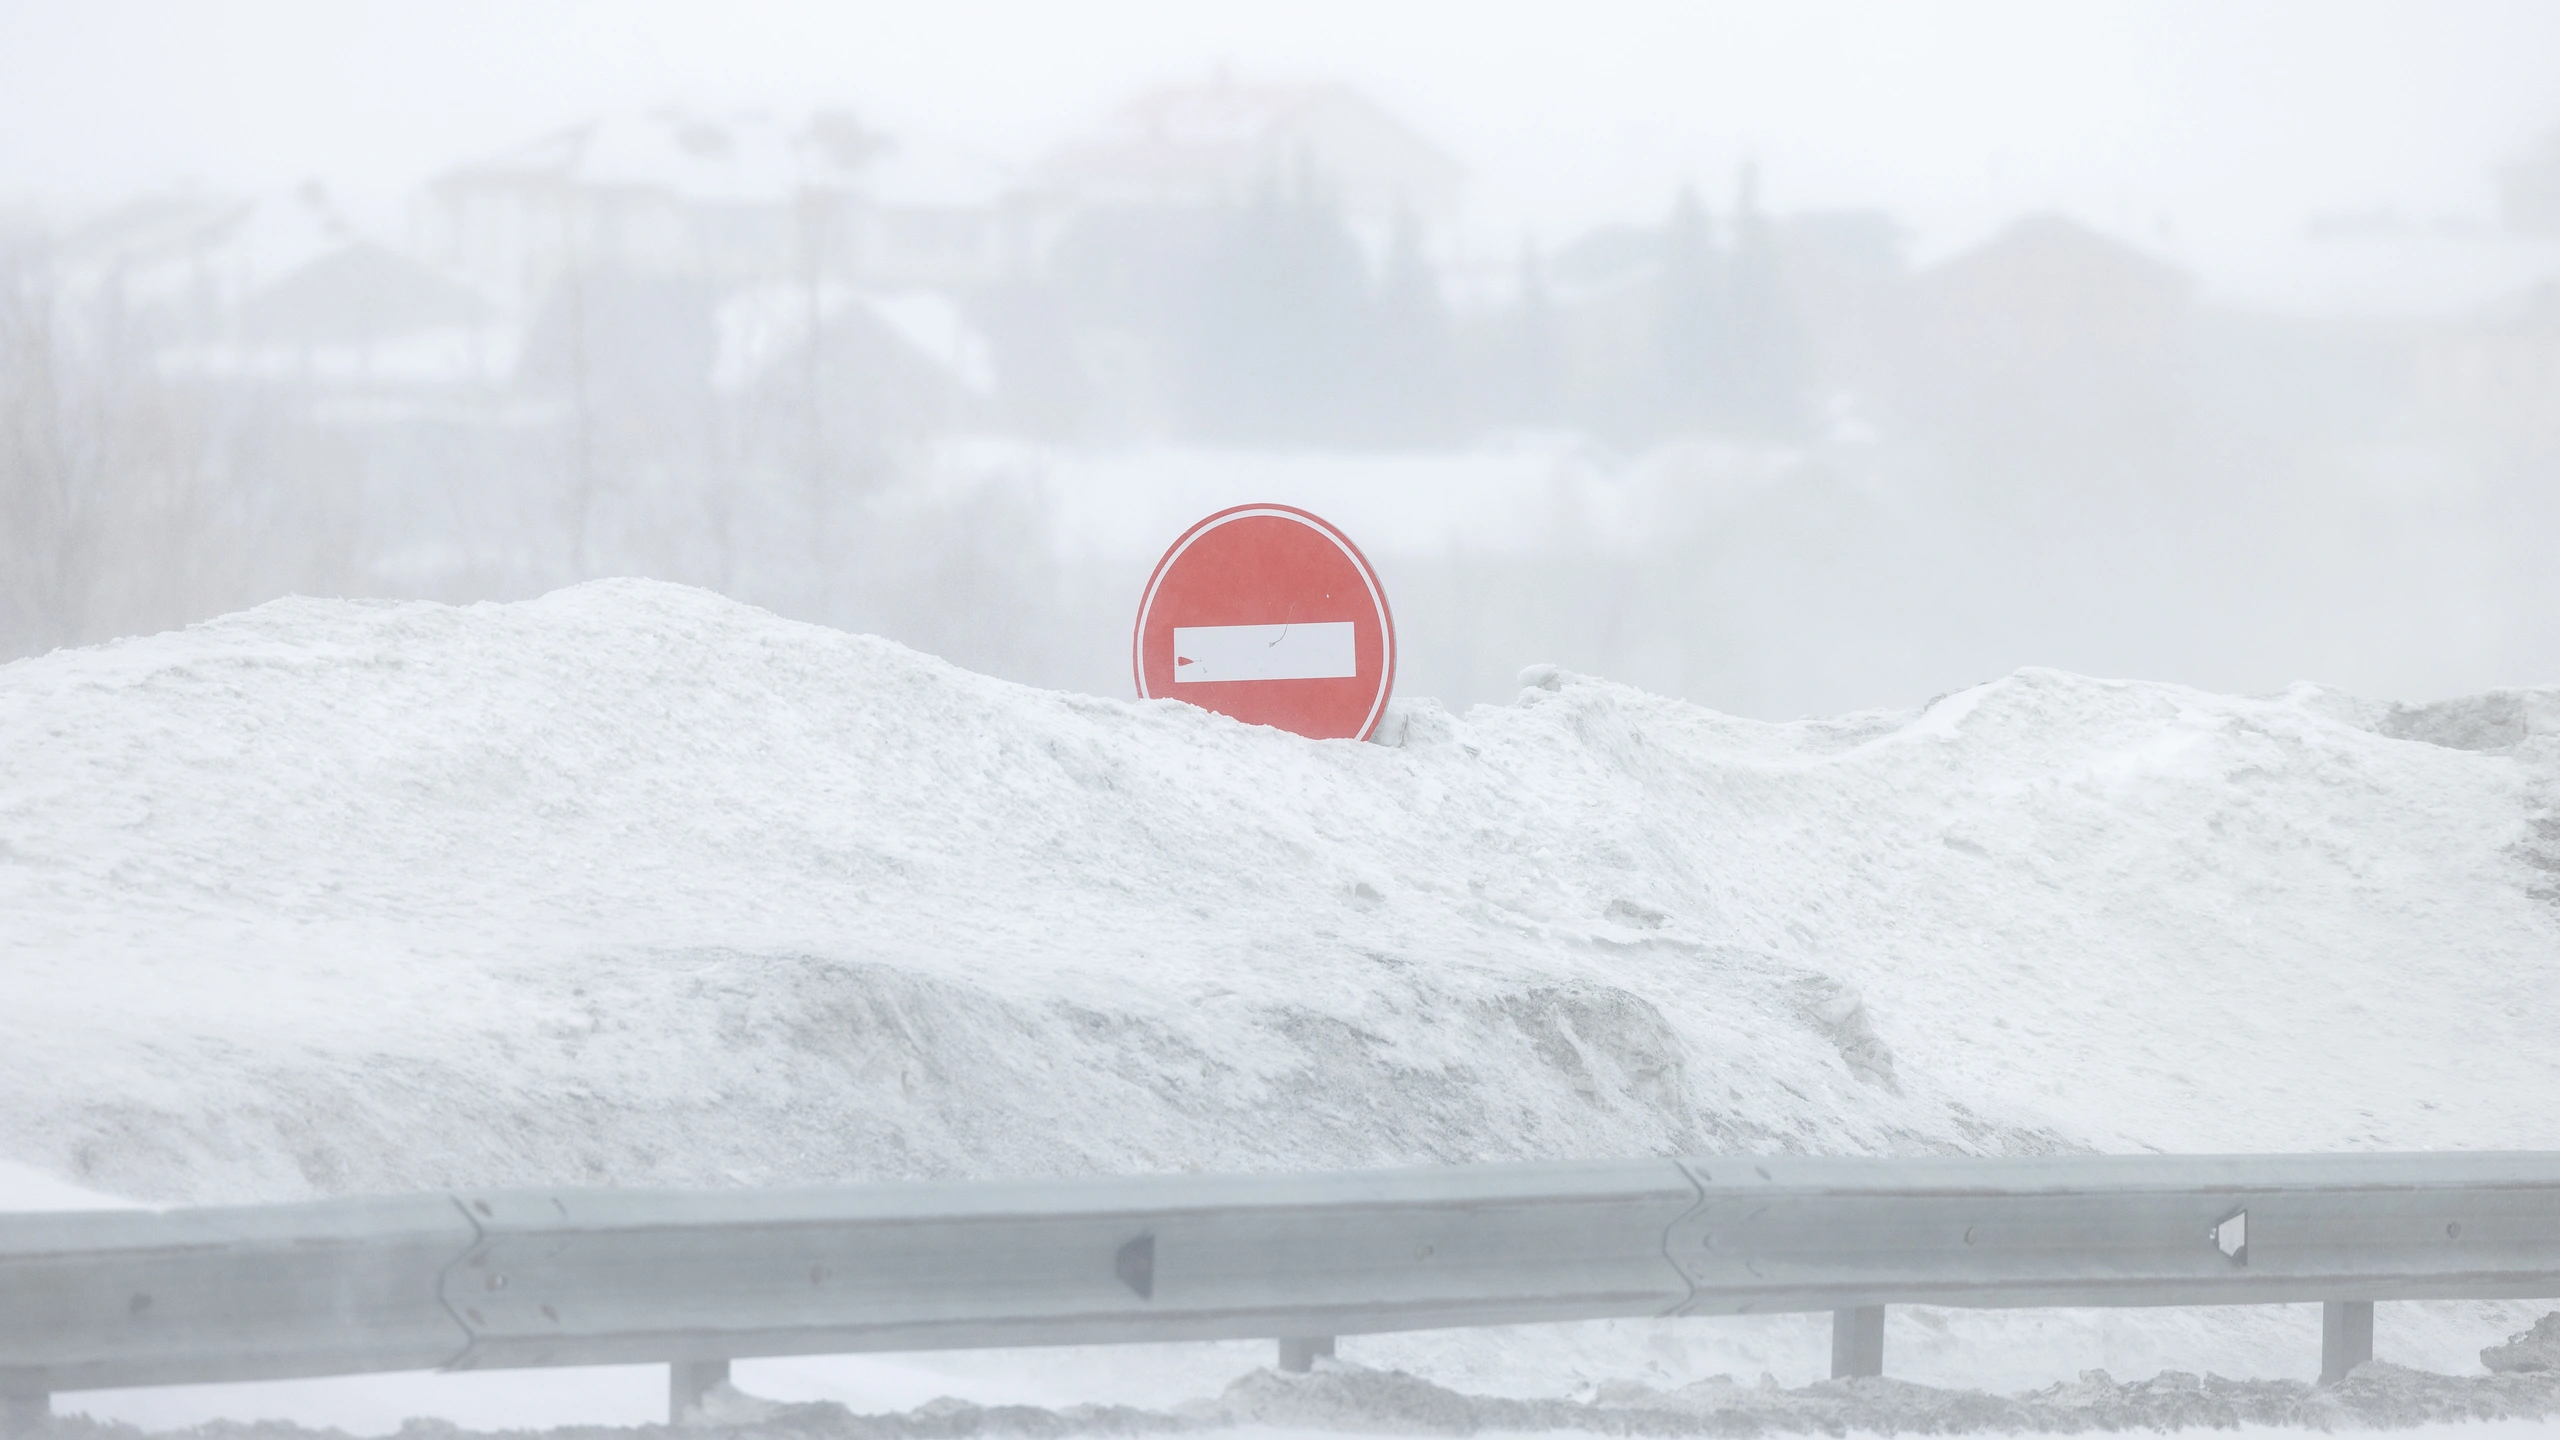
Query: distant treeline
x=1267 y=321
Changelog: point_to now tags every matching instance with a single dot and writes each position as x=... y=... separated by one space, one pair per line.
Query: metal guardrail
x=573 y=1277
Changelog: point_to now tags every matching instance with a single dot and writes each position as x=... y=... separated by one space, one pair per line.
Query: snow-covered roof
x=1190 y=144
x=155 y=228
x=736 y=156
x=763 y=326
x=741 y=157
x=2037 y=257
x=221 y=246
x=923 y=173
x=1206 y=116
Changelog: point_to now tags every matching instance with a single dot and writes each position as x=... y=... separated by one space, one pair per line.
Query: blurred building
x=1245 y=263
x=2048 y=287
x=181 y=264
x=2048 y=291
x=1194 y=146
x=726 y=201
x=275 y=287
x=2493 y=379
x=2529 y=189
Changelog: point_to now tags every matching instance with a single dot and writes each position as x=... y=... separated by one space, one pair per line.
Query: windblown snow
x=635 y=885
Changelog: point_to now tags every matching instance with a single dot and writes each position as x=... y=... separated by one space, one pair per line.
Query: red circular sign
x=1268 y=614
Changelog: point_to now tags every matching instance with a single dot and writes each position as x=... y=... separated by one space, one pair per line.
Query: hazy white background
x=2229 y=121
x=2205 y=135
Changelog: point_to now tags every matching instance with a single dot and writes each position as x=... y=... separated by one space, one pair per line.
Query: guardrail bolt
x=1298 y=1356
x=24 y=1413
x=2346 y=1338
x=1857 y=1342
x=688 y=1381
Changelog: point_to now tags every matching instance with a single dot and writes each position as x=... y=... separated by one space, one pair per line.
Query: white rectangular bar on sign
x=1321 y=650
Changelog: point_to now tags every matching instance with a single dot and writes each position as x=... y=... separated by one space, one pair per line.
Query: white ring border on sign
x=1320 y=525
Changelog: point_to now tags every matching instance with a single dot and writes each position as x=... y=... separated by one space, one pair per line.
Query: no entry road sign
x=1268 y=614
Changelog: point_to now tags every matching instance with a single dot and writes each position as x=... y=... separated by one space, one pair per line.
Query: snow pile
x=2373 y=1396
x=1352 y=1400
x=24 y=1188
x=636 y=885
x=2536 y=1351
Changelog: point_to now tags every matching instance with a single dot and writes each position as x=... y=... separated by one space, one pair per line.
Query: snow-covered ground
x=1339 y=1400
x=636 y=885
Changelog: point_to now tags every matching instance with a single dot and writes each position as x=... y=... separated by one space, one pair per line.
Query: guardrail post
x=2346 y=1338
x=24 y=1413
x=1857 y=1342
x=1299 y=1356
x=688 y=1381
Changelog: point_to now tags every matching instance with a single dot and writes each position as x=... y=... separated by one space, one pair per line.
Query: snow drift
x=635 y=885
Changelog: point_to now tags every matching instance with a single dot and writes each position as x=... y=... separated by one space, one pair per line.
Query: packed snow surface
x=1337 y=1400
x=635 y=885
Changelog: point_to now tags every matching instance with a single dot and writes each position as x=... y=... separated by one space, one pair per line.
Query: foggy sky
x=2198 y=128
